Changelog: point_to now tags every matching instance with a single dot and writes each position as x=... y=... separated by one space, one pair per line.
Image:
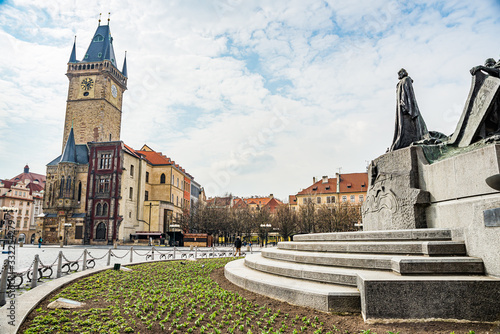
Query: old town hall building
x=99 y=190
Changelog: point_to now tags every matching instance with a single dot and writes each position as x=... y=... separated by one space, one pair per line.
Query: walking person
x=40 y=242
x=237 y=245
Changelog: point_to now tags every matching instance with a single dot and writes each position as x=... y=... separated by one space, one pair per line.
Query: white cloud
x=251 y=97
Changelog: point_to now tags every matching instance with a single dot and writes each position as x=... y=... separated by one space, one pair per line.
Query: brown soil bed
x=345 y=323
x=353 y=323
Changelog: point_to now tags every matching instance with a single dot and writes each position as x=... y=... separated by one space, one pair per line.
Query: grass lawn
x=181 y=297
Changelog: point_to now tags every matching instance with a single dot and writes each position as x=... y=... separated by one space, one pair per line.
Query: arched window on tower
x=98 y=209
x=79 y=191
x=162 y=178
x=100 y=232
x=105 y=209
x=61 y=190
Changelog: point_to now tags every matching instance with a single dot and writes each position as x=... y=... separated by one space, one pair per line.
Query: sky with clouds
x=250 y=97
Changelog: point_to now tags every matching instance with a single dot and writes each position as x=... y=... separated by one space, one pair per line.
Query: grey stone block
x=476 y=300
x=387 y=235
x=438 y=266
x=394 y=247
x=320 y=296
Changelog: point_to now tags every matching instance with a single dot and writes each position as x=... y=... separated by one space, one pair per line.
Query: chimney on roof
x=314 y=179
x=337 y=175
x=26 y=169
x=325 y=179
x=271 y=196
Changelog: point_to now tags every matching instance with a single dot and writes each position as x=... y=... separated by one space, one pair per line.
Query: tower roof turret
x=101 y=46
x=72 y=58
x=69 y=154
x=124 y=70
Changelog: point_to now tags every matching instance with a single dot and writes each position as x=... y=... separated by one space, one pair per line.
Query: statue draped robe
x=410 y=126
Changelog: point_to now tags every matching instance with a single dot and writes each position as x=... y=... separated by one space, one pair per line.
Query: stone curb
x=28 y=301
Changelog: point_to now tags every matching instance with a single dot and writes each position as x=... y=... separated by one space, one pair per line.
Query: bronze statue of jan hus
x=491 y=125
x=410 y=126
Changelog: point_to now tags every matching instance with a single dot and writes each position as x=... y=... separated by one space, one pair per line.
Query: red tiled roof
x=292 y=199
x=29 y=176
x=273 y=204
x=131 y=150
x=353 y=182
x=156 y=158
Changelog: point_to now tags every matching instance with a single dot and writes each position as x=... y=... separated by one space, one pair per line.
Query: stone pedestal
x=394 y=199
x=406 y=192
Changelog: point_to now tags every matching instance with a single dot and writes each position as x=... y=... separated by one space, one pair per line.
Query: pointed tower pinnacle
x=124 y=70
x=72 y=58
x=69 y=153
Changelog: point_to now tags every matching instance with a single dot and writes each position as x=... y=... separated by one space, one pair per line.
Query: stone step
x=430 y=248
x=385 y=295
x=333 y=275
x=405 y=265
x=321 y=296
x=386 y=235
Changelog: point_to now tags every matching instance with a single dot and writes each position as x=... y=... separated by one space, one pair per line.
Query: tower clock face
x=87 y=84
x=114 y=91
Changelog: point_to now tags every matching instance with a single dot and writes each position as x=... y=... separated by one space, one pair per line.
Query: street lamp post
x=265 y=227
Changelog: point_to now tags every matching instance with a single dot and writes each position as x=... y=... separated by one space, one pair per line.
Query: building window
x=177 y=182
x=162 y=178
x=105 y=209
x=100 y=233
x=333 y=199
x=105 y=161
x=131 y=170
x=98 y=38
x=172 y=179
x=79 y=191
x=177 y=201
x=131 y=193
x=344 y=198
x=98 y=210
x=103 y=185
x=172 y=198
x=318 y=200
x=361 y=198
x=328 y=199
x=147 y=176
x=146 y=195
x=130 y=214
x=353 y=199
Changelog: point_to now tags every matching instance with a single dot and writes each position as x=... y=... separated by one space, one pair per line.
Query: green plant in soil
x=165 y=297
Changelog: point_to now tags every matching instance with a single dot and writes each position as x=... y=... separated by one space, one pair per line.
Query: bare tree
x=285 y=219
x=338 y=217
x=307 y=217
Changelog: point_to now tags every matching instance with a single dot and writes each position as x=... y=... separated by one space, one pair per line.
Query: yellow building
x=343 y=188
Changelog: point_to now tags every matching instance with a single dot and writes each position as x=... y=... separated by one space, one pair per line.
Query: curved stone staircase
x=403 y=274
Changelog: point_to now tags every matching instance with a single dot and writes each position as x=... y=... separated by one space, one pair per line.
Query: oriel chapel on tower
x=99 y=190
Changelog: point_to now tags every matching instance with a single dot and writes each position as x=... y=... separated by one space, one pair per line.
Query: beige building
x=343 y=188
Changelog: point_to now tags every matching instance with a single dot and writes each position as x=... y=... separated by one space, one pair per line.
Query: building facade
x=99 y=190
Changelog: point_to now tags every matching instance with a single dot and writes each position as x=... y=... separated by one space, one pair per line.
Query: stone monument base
x=407 y=191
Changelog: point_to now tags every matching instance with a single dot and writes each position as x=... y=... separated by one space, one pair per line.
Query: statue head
x=489 y=62
x=402 y=73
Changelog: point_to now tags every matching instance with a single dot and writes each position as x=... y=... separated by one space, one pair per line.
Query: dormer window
x=86 y=56
x=98 y=38
x=315 y=188
x=99 y=55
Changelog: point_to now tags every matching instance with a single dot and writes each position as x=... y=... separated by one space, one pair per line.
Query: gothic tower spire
x=95 y=93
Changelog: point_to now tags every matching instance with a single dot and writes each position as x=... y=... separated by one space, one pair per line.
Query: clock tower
x=95 y=94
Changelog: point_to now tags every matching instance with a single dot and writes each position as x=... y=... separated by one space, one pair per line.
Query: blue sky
x=250 y=97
